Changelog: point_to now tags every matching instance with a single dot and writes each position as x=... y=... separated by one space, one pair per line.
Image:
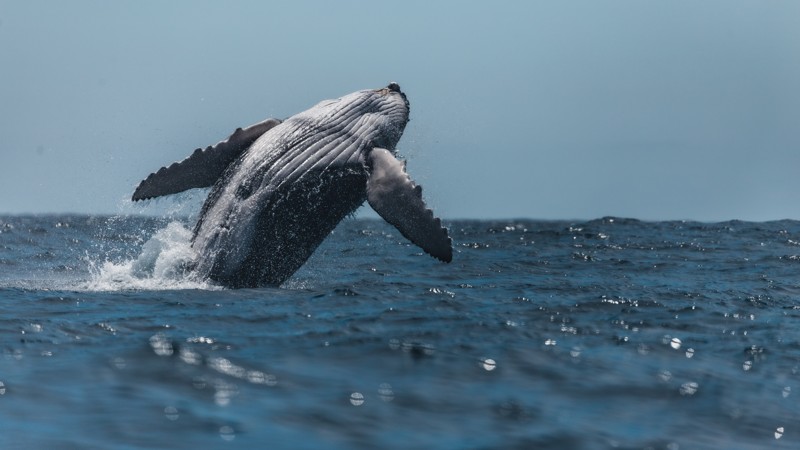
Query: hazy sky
x=559 y=109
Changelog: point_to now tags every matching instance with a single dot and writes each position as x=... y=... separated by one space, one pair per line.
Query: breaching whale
x=281 y=186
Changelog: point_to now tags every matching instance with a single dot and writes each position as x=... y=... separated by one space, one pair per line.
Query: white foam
x=164 y=264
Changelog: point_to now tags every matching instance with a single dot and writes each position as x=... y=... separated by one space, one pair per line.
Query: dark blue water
x=611 y=333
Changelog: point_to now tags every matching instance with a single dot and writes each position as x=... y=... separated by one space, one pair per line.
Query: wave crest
x=165 y=263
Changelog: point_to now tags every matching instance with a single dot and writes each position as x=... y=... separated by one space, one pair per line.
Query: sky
x=655 y=110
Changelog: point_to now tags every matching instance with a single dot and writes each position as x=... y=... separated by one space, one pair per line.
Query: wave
x=165 y=263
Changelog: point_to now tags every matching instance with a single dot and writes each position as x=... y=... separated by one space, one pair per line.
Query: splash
x=165 y=263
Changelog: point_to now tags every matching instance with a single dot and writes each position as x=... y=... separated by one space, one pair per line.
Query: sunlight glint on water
x=599 y=334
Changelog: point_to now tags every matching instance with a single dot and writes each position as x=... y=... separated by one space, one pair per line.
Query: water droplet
x=550 y=342
x=2 y=388
x=665 y=375
x=222 y=398
x=227 y=433
x=171 y=413
x=689 y=352
x=747 y=365
x=258 y=377
x=385 y=392
x=675 y=343
x=786 y=391
x=778 y=432
x=488 y=364
x=161 y=345
x=357 y=399
x=575 y=352
x=200 y=340
x=224 y=365
x=224 y=393
x=689 y=388
x=190 y=356
x=119 y=363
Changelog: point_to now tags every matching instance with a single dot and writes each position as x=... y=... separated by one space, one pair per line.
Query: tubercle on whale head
x=393 y=87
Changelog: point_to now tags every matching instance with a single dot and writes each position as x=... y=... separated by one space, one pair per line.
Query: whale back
x=276 y=203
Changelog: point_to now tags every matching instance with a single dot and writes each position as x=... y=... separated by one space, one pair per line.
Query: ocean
x=604 y=334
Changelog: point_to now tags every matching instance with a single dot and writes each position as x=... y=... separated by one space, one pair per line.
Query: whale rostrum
x=280 y=187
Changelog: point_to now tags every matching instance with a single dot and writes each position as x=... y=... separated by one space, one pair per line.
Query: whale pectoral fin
x=204 y=166
x=396 y=198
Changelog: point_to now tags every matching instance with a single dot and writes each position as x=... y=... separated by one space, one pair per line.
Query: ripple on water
x=518 y=340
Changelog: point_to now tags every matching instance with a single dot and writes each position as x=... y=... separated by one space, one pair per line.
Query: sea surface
x=610 y=333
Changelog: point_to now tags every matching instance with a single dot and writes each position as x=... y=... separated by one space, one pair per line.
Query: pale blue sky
x=561 y=109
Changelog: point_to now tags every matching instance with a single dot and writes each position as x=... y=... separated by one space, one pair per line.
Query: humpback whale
x=279 y=187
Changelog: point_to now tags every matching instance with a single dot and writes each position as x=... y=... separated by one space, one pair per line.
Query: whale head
x=379 y=115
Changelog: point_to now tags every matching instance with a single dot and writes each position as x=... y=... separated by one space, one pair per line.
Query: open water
x=610 y=333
